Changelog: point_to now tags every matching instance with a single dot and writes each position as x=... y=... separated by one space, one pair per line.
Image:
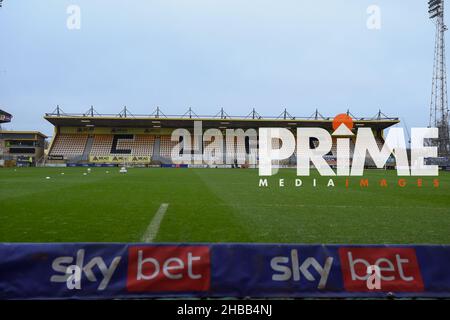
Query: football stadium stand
x=146 y=139
x=117 y=145
x=165 y=147
x=21 y=148
x=69 y=145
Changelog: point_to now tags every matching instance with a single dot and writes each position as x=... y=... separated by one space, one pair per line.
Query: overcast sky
x=207 y=54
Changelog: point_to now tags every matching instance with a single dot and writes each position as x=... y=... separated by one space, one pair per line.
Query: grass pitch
x=218 y=205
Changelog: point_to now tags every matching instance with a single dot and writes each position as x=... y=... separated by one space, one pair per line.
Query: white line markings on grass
x=153 y=227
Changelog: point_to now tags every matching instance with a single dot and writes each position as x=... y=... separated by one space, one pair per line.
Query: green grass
x=218 y=205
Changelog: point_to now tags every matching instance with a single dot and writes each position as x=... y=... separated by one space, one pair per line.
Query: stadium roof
x=10 y=132
x=5 y=116
x=221 y=120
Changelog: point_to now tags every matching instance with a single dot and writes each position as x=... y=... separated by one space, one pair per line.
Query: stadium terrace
x=91 y=138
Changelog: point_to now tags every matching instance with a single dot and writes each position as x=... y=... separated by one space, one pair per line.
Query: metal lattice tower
x=439 y=102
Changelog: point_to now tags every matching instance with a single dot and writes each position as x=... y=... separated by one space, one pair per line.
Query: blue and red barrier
x=103 y=271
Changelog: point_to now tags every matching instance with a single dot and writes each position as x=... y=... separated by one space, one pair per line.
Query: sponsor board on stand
x=120 y=159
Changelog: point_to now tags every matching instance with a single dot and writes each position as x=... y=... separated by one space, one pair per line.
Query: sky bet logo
x=399 y=269
x=150 y=269
x=73 y=274
x=292 y=268
x=168 y=268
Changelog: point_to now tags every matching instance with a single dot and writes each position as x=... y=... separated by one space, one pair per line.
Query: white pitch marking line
x=153 y=227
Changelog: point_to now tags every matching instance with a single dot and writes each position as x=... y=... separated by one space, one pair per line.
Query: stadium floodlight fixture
x=435 y=8
x=439 y=102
